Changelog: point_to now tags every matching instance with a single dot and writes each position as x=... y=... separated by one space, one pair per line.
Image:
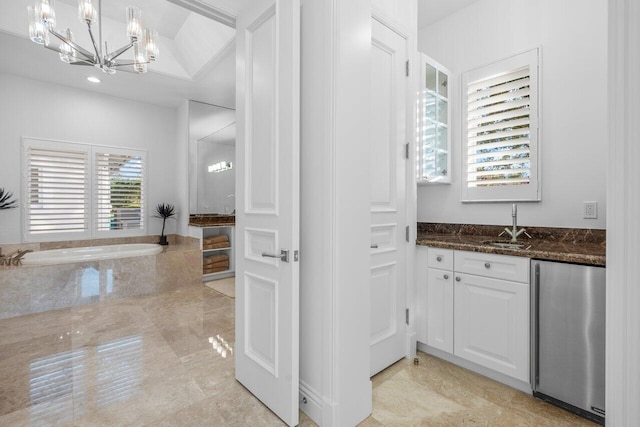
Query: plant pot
x=163 y=240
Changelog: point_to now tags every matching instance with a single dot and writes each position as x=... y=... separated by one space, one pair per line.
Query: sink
x=504 y=244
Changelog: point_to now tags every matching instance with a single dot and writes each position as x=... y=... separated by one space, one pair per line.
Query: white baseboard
x=310 y=402
x=489 y=373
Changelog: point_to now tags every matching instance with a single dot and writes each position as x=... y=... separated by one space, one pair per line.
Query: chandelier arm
x=81 y=62
x=99 y=60
x=127 y=64
x=74 y=45
x=113 y=55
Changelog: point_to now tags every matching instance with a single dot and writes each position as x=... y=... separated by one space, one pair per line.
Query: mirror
x=212 y=138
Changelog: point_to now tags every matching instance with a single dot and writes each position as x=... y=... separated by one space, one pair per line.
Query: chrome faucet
x=514 y=232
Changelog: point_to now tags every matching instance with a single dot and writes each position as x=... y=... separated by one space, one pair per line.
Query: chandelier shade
x=143 y=42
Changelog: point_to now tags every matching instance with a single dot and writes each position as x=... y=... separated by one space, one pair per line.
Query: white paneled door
x=389 y=246
x=267 y=221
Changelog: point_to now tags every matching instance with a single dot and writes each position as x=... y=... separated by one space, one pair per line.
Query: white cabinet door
x=268 y=214
x=440 y=309
x=434 y=154
x=491 y=324
x=421 y=271
x=387 y=138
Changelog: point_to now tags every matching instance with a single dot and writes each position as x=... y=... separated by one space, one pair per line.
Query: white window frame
x=503 y=193
x=91 y=231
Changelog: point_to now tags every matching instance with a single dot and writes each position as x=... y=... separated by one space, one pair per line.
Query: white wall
x=335 y=230
x=182 y=168
x=43 y=110
x=572 y=35
x=334 y=225
x=403 y=13
x=623 y=229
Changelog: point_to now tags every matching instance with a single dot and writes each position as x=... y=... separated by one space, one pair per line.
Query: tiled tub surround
x=34 y=289
x=575 y=245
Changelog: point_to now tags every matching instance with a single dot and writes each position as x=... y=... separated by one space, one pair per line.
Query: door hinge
x=296 y=256
x=406 y=315
x=406 y=68
x=406 y=151
x=407 y=232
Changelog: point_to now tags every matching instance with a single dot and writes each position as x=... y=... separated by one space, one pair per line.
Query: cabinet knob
x=446 y=276
x=487 y=265
x=458 y=279
x=439 y=258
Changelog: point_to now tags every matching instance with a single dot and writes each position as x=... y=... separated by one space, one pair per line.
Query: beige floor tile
x=202 y=413
x=238 y=407
x=210 y=369
x=154 y=360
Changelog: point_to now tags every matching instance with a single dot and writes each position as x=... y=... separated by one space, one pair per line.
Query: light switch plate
x=591 y=210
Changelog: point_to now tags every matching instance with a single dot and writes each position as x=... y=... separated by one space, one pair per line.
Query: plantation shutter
x=500 y=123
x=56 y=190
x=118 y=190
x=78 y=191
x=498 y=129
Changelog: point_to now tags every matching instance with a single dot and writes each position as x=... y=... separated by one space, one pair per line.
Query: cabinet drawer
x=440 y=258
x=491 y=265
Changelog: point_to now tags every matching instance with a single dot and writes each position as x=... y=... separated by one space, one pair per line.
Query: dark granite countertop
x=582 y=246
x=211 y=220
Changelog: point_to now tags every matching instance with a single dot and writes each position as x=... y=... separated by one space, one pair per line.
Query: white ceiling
x=232 y=7
x=431 y=11
x=197 y=54
x=163 y=16
x=197 y=58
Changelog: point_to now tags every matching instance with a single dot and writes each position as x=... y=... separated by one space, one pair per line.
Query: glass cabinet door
x=434 y=159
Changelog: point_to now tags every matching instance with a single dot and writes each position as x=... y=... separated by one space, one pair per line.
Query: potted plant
x=6 y=200
x=164 y=211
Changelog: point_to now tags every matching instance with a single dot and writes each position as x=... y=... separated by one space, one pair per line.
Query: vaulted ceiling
x=197 y=54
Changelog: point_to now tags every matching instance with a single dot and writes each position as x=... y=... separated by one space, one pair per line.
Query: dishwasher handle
x=535 y=326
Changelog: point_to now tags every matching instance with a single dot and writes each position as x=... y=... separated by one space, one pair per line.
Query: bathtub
x=91 y=253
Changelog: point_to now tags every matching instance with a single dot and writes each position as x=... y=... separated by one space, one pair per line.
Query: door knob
x=284 y=255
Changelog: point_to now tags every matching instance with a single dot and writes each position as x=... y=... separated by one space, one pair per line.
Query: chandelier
x=42 y=25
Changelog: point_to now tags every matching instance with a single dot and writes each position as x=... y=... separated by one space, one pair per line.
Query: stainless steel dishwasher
x=568 y=336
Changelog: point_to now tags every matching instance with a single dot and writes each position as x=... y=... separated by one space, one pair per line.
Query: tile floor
x=150 y=360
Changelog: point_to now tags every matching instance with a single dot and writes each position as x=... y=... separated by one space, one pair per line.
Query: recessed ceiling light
x=93 y=79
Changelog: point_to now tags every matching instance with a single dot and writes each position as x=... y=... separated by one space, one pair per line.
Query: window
x=118 y=191
x=434 y=160
x=500 y=131
x=79 y=191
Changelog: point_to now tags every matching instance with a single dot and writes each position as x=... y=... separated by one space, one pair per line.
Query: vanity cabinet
x=477 y=308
